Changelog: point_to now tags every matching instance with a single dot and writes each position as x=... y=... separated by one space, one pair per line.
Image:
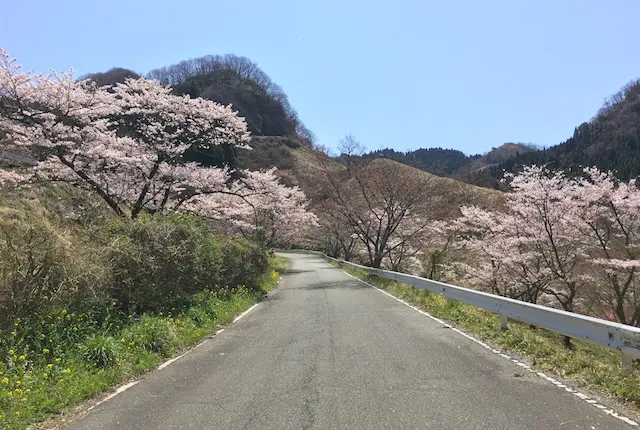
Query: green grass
x=34 y=388
x=587 y=365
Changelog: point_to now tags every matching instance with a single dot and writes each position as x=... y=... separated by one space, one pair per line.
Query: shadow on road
x=294 y=272
x=338 y=285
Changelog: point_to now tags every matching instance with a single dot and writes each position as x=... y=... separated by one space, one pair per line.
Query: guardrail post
x=627 y=362
x=504 y=322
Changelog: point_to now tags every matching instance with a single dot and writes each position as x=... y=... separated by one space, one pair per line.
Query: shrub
x=153 y=334
x=199 y=316
x=100 y=350
x=40 y=267
x=158 y=262
x=242 y=263
x=152 y=261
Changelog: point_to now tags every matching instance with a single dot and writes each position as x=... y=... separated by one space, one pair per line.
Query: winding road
x=326 y=351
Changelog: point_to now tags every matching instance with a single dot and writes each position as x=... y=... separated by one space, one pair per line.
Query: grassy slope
x=37 y=394
x=307 y=166
x=587 y=365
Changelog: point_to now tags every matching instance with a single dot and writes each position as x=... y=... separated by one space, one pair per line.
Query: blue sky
x=467 y=75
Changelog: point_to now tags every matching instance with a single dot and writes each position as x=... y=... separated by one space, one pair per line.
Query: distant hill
x=492 y=158
x=451 y=162
x=111 y=76
x=435 y=160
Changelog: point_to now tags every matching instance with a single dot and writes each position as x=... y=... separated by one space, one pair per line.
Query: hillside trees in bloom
x=8 y=177
x=609 y=213
x=570 y=241
x=126 y=144
x=259 y=207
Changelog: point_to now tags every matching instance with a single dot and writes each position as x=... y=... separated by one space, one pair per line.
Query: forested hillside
x=435 y=160
x=610 y=141
x=230 y=79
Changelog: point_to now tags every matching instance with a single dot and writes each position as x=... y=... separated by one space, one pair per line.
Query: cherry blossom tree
x=610 y=223
x=125 y=143
x=503 y=259
x=576 y=240
x=535 y=247
x=408 y=243
x=258 y=206
x=8 y=177
x=546 y=205
x=435 y=248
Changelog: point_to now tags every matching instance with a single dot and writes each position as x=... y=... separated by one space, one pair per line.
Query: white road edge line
x=245 y=312
x=558 y=384
x=121 y=389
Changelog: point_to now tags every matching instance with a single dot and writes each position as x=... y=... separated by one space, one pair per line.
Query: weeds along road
x=326 y=351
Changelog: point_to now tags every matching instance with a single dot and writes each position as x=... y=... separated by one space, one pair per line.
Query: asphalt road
x=325 y=351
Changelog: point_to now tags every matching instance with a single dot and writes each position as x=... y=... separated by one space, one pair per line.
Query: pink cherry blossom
x=574 y=241
x=126 y=144
x=259 y=206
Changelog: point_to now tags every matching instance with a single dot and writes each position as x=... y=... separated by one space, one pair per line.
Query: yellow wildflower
x=5 y=380
x=24 y=399
x=49 y=366
x=22 y=357
x=11 y=352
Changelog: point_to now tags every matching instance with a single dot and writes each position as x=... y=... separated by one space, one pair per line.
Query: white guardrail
x=623 y=338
